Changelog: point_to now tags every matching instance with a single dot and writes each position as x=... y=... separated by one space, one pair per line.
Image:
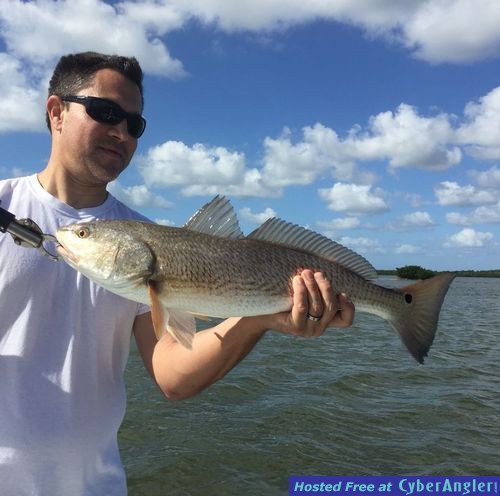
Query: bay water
x=352 y=402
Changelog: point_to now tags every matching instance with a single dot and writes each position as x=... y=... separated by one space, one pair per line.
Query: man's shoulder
x=9 y=185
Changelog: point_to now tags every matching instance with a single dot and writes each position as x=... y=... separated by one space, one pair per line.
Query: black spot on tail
x=408 y=298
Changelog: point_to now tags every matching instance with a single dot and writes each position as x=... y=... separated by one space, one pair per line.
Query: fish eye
x=83 y=232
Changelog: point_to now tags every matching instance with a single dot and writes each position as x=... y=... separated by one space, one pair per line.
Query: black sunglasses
x=108 y=112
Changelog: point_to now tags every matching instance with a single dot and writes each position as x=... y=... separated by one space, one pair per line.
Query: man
x=64 y=341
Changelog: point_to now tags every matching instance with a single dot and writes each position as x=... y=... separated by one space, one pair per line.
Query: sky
x=373 y=122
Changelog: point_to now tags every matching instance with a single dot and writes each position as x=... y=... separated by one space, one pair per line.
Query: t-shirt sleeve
x=142 y=309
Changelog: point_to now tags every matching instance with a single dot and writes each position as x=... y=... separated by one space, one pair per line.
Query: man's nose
x=119 y=131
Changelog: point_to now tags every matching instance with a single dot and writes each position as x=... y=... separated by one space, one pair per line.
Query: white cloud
x=340 y=224
x=402 y=138
x=414 y=199
x=201 y=170
x=41 y=31
x=175 y=163
x=480 y=215
x=486 y=214
x=137 y=196
x=489 y=178
x=453 y=30
x=434 y=30
x=159 y=17
x=469 y=238
x=320 y=150
x=257 y=218
x=451 y=193
x=13 y=171
x=412 y=220
x=22 y=102
x=420 y=219
x=405 y=139
x=481 y=128
x=19 y=172
x=268 y=15
x=165 y=222
x=457 y=218
x=354 y=199
x=486 y=196
x=406 y=249
x=332 y=227
x=362 y=244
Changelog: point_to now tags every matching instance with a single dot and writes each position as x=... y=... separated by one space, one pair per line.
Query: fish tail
x=417 y=324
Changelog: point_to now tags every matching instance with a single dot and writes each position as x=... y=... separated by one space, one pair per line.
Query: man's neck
x=71 y=190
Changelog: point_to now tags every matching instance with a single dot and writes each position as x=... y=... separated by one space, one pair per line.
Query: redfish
x=209 y=268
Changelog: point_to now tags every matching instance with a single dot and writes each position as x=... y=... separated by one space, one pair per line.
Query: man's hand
x=313 y=299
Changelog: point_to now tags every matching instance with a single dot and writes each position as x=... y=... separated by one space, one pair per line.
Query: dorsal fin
x=217 y=218
x=293 y=236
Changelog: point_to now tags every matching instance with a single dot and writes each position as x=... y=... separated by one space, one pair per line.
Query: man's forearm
x=182 y=373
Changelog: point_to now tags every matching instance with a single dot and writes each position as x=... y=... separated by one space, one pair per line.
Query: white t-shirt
x=64 y=344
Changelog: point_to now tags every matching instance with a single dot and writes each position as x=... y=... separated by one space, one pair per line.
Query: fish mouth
x=66 y=254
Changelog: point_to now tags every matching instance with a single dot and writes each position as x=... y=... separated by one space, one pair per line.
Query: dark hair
x=76 y=71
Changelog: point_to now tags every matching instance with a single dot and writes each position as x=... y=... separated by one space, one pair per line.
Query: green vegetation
x=417 y=272
x=414 y=272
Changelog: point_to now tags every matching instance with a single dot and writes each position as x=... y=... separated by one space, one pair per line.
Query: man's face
x=96 y=153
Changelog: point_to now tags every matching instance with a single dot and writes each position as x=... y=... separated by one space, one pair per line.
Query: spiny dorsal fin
x=279 y=231
x=217 y=218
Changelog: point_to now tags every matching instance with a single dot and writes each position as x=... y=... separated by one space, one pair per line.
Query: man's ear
x=55 y=110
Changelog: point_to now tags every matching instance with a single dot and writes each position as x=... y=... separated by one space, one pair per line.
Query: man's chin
x=107 y=174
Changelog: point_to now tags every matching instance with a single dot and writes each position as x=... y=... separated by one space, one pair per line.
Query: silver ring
x=313 y=318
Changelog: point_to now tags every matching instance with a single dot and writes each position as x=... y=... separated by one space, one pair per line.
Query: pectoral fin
x=178 y=324
x=157 y=312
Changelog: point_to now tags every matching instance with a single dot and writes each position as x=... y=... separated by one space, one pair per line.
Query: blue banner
x=395 y=486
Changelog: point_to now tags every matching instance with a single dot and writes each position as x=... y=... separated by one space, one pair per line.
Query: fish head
x=106 y=252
